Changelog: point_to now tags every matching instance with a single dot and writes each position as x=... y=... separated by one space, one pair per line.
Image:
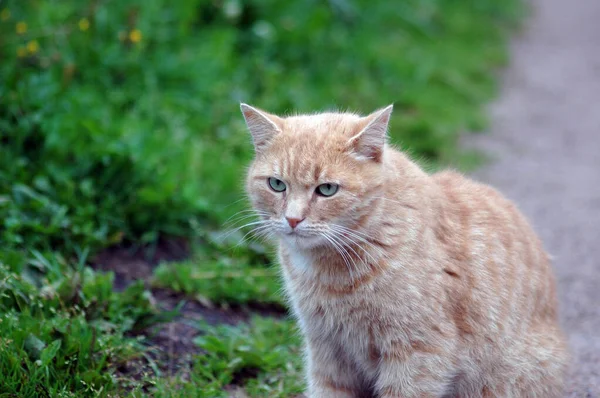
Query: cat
x=404 y=284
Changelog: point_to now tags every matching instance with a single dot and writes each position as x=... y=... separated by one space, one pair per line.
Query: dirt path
x=545 y=141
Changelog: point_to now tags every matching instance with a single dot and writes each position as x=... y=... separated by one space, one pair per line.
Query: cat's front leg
x=413 y=373
x=329 y=375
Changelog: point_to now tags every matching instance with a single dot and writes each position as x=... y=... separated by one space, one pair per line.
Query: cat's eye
x=276 y=185
x=327 y=189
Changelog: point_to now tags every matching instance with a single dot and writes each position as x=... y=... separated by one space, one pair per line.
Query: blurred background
x=122 y=150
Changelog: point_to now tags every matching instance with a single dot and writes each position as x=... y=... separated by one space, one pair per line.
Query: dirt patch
x=131 y=263
x=170 y=345
x=192 y=310
x=241 y=376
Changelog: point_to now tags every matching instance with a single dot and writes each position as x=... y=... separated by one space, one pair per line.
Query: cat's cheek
x=336 y=209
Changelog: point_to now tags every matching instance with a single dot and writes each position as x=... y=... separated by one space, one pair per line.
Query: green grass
x=224 y=269
x=265 y=355
x=233 y=283
x=119 y=124
x=64 y=335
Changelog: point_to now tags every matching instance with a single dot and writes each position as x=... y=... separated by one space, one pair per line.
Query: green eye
x=327 y=189
x=276 y=185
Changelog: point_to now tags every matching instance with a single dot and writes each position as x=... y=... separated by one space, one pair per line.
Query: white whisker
x=341 y=251
x=228 y=233
x=240 y=215
x=237 y=201
x=242 y=218
x=339 y=239
x=352 y=235
x=361 y=234
x=261 y=231
x=348 y=241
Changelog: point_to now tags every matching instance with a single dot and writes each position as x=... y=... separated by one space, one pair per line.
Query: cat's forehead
x=329 y=124
x=318 y=136
x=312 y=149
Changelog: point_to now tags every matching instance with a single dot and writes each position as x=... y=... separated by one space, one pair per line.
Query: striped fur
x=404 y=284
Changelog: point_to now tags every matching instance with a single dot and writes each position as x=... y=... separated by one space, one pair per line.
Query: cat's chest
x=299 y=262
x=317 y=301
x=348 y=321
x=346 y=324
x=345 y=321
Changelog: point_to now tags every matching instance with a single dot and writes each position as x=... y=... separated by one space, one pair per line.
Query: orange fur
x=404 y=284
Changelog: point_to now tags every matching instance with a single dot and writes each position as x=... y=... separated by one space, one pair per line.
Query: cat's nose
x=294 y=221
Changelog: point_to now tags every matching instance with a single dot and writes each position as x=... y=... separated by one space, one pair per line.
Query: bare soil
x=131 y=263
x=170 y=349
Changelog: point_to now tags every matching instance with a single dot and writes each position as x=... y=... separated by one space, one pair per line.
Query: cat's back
x=495 y=249
x=483 y=208
x=482 y=212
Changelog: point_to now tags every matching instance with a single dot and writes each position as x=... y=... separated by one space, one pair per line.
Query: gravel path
x=545 y=144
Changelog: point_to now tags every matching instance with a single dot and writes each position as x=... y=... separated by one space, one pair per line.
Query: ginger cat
x=404 y=284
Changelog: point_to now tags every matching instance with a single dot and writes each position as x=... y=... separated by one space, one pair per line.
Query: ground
x=544 y=141
x=81 y=170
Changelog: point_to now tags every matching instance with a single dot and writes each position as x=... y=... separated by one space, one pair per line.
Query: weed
x=263 y=358
x=119 y=123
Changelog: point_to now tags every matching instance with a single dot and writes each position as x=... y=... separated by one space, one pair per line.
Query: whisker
x=234 y=202
x=240 y=219
x=352 y=230
x=347 y=240
x=256 y=233
x=357 y=233
x=243 y=214
x=341 y=242
x=354 y=234
x=360 y=239
x=226 y=234
x=341 y=251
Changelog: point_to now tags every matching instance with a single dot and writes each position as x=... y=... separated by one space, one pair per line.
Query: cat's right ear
x=262 y=125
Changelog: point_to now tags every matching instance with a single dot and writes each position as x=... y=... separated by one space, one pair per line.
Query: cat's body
x=404 y=284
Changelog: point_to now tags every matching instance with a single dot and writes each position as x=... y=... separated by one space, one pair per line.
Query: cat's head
x=315 y=178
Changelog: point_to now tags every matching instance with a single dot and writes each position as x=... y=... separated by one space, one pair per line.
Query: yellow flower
x=135 y=36
x=21 y=52
x=33 y=46
x=5 y=14
x=117 y=237
x=21 y=27
x=84 y=24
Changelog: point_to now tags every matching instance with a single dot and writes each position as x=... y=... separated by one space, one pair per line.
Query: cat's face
x=315 y=177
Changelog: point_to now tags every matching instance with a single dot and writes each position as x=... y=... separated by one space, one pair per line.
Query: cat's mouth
x=296 y=233
x=302 y=239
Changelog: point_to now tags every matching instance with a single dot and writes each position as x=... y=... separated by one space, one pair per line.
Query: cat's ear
x=371 y=138
x=262 y=125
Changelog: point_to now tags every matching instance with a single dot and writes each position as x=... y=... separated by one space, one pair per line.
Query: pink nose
x=294 y=221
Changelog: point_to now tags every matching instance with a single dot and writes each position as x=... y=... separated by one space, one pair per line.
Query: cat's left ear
x=370 y=140
x=262 y=125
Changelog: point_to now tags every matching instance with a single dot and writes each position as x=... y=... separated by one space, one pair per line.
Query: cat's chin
x=303 y=242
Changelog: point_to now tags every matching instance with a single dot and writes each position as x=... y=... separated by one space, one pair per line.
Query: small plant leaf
x=50 y=352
